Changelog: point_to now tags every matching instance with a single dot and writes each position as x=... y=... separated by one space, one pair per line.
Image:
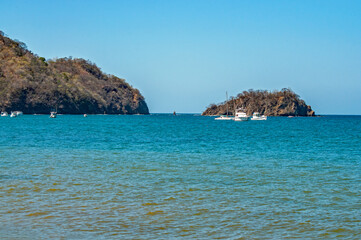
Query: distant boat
x=174 y=113
x=258 y=117
x=85 y=115
x=52 y=114
x=13 y=114
x=4 y=114
x=18 y=113
x=240 y=115
x=225 y=117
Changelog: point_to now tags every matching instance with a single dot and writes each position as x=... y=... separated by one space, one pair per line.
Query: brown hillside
x=277 y=103
x=31 y=84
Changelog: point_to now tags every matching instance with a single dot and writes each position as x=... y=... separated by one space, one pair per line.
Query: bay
x=184 y=176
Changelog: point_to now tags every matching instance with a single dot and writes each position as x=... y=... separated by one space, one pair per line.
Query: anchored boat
x=225 y=117
x=240 y=115
x=52 y=114
x=258 y=117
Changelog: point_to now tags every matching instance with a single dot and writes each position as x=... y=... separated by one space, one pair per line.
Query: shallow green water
x=160 y=176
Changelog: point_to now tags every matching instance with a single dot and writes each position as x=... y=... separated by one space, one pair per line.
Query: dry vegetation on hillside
x=31 y=84
x=276 y=103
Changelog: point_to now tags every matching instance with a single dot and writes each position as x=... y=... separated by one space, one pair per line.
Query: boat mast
x=227 y=102
x=234 y=107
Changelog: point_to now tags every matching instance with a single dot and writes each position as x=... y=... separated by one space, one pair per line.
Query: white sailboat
x=225 y=117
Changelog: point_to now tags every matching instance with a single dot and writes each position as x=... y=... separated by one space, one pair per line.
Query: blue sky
x=184 y=55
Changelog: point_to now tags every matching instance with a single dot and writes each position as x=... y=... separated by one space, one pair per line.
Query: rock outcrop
x=277 y=103
x=31 y=84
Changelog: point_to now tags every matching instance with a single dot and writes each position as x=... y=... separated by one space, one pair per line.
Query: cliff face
x=277 y=103
x=31 y=84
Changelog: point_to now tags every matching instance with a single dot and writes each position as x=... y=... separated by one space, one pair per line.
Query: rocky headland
x=276 y=103
x=34 y=85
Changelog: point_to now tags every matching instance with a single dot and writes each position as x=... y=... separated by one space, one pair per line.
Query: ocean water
x=190 y=177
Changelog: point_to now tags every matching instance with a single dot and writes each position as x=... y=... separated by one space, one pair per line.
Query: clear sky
x=184 y=55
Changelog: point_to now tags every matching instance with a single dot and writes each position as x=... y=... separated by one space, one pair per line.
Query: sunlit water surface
x=166 y=177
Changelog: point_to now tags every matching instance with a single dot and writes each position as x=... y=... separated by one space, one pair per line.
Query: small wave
x=35 y=214
x=155 y=212
x=149 y=204
x=54 y=190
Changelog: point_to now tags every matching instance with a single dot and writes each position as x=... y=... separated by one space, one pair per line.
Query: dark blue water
x=167 y=177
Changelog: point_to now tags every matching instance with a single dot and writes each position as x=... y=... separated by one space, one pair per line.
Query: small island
x=275 y=103
x=34 y=85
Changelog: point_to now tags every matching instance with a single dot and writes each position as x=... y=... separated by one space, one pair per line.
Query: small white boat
x=13 y=115
x=18 y=113
x=4 y=114
x=224 y=117
x=258 y=117
x=85 y=115
x=241 y=115
x=53 y=115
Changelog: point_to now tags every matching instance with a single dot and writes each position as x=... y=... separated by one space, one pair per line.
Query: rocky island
x=34 y=85
x=276 y=103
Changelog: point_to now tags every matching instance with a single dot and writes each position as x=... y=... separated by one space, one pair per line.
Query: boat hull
x=240 y=119
x=259 y=118
x=223 y=118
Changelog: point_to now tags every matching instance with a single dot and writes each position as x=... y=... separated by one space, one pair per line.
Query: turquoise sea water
x=166 y=177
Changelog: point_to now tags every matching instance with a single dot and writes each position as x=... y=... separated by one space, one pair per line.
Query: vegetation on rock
x=31 y=84
x=276 y=103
